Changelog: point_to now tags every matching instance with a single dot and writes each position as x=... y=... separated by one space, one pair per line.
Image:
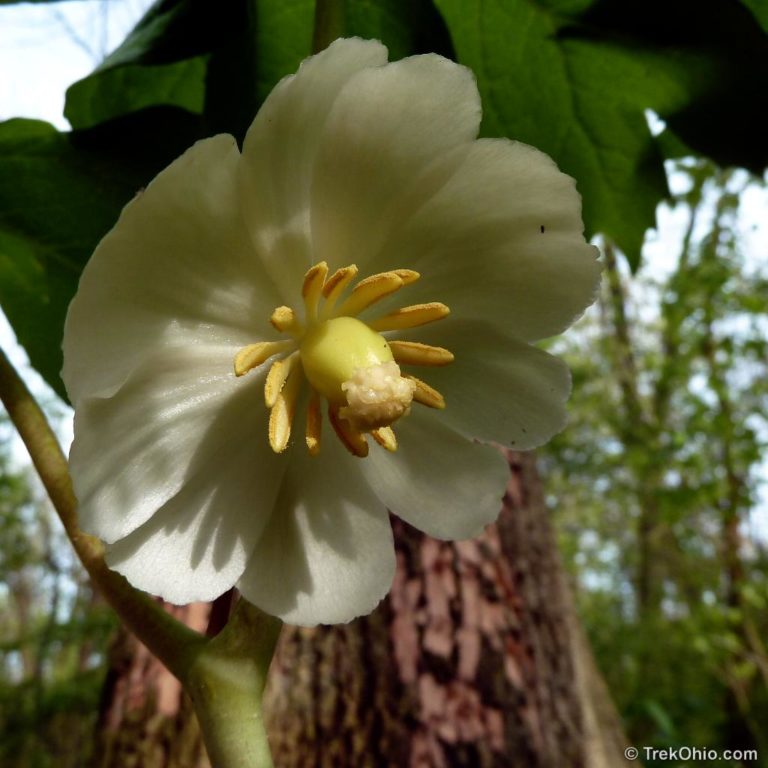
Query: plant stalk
x=226 y=682
x=329 y=23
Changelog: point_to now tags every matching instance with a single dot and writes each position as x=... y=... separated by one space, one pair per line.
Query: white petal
x=498 y=388
x=386 y=128
x=483 y=229
x=178 y=267
x=327 y=555
x=197 y=545
x=178 y=416
x=437 y=480
x=279 y=155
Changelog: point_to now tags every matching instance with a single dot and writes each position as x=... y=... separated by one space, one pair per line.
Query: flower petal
x=178 y=266
x=181 y=414
x=197 y=545
x=279 y=154
x=327 y=555
x=508 y=223
x=498 y=388
x=386 y=127
x=437 y=480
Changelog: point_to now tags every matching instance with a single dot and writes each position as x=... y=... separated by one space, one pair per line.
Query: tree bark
x=475 y=659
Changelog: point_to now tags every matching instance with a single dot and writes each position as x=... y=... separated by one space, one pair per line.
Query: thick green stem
x=172 y=642
x=226 y=682
x=329 y=23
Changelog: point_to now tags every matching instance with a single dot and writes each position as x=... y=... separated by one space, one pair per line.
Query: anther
x=408 y=276
x=277 y=376
x=282 y=413
x=425 y=394
x=312 y=288
x=410 y=317
x=354 y=440
x=369 y=291
x=415 y=353
x=385 y=437
x=284 y=320
x=254 y=355
x=335 y=285
x=314 y=424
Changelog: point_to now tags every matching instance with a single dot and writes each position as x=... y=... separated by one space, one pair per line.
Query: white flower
x=352 y=161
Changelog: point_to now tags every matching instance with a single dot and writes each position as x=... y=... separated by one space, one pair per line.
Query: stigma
x=345 y=361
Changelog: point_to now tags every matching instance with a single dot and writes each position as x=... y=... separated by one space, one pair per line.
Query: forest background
x=657 y=487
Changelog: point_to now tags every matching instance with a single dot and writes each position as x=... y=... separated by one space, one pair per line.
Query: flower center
x=346 y=360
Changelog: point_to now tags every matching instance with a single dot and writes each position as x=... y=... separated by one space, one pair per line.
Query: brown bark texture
x=475 y=659
x=145 y=719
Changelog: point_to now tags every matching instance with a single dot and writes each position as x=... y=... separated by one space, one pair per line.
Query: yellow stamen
x=314 y=424
x=277 y=376
x=385 y=437
x=284 y=320
x=334 y=286
x=313 y=288
x=282 y=413
x=254 y=355
x=410 y=317
x=345 y=360
x=425 y=394
x=415 y=353
x=408 y=276
x=369 y=291
x=353 y=440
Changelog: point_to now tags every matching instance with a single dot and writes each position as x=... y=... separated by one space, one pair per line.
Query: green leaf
x=162 y=62
x=759 y=9
x=404 y=26
x=574 y=77
x=59 y=194
x=109 y=93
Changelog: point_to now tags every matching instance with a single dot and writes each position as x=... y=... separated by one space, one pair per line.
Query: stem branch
x=226 y=683
x=329 y=23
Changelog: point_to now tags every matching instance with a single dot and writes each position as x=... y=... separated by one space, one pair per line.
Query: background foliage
x=653 y=484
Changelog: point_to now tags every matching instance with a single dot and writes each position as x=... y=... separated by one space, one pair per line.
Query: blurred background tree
x=655 y=484
x=654 y=489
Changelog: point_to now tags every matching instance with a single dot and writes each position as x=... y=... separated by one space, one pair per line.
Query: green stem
x=329 y=23
x=226 y=683
x=170 y=640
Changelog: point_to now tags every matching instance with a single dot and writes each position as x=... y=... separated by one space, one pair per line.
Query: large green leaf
x=760 y=10
x=109 y=93
x=574 y=78
x=162 y=62
x=59 y=194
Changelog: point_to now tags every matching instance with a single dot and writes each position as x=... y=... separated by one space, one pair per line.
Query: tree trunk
x=475 y=659
x=145 y=719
